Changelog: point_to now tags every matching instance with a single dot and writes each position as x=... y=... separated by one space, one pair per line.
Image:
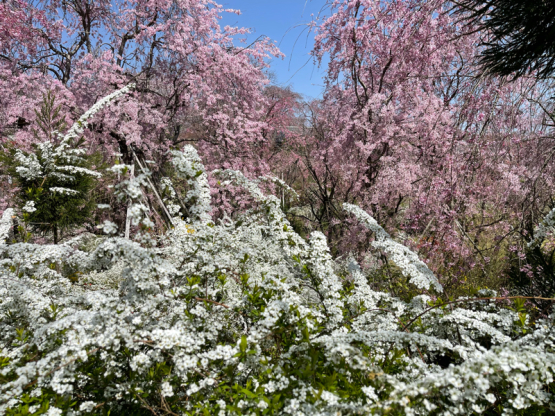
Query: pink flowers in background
x=193 y=84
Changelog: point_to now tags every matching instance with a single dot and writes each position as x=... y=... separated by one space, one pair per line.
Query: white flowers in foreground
x=245 y=316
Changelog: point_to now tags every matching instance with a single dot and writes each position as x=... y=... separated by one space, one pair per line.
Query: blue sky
x=284 y=21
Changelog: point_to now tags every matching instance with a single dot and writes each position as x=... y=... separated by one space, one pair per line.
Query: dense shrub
x=243 y=316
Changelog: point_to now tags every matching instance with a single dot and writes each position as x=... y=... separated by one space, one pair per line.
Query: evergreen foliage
x=54 y=180
x=521 y=35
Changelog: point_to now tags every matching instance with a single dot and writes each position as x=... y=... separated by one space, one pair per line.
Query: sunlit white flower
x=166 y=389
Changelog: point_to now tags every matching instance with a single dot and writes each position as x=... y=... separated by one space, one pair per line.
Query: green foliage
x=56 y=196
x=521 y=35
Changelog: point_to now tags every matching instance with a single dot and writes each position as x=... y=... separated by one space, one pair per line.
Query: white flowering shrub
x=6 y=224
x=543 y=228
x=189 y=167
x=54 y=179
x=244 y=316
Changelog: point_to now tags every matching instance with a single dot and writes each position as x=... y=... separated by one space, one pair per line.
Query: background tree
x=451 y=161
x=518 y=38
x=193 y=83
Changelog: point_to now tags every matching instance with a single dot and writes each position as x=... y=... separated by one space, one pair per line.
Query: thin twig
x=211 y=301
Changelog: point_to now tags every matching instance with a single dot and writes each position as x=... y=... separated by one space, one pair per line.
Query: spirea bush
x=243 y=316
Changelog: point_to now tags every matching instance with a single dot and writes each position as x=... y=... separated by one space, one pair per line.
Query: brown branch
x=211 y=301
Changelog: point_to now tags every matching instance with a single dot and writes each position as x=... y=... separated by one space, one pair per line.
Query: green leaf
x=243 y=344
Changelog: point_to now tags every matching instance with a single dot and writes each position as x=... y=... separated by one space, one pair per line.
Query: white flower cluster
x=29 y=207
x=402 y=256
x=190 y=167
x=6 y=223
x=109 y=228
x=29 y=166
x=130 y=189
x=540 y=232
x=79 y=126
x=166 y=185
x=63 y=191
x=57 y=161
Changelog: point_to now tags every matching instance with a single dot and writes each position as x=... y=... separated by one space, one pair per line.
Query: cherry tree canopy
x=192 y=82
x=411 y=130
